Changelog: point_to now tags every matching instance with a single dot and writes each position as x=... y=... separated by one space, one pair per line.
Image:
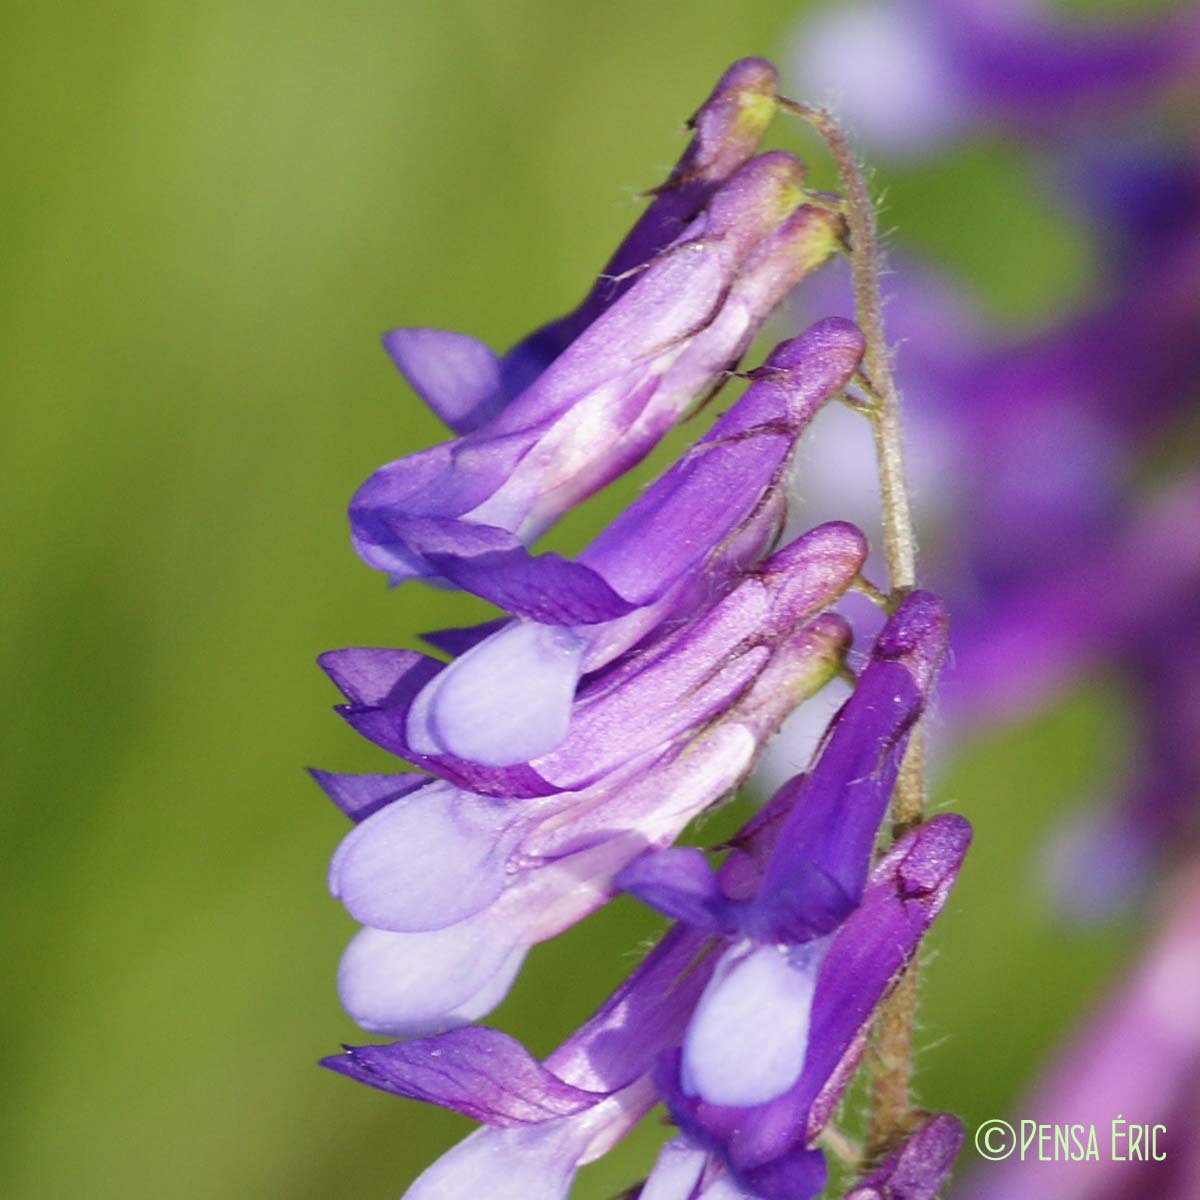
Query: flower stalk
x=891 y=1112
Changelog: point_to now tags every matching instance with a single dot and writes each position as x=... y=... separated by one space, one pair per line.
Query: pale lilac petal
x=676 y=1173
x=506 y=701
x=725 y=1187
x=747 y=1041
x=414 y=984
x=492 y=994
x=455 y=374
x=460 y=843
x=534 y=1162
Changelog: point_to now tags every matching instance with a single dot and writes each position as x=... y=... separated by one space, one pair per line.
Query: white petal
x=413 y=984
x=747 y=1041
x=506 y=701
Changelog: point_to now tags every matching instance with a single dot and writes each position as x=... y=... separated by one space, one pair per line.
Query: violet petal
x=479 y=1072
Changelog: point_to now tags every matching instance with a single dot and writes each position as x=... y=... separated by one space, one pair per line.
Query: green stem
x=891 y=1114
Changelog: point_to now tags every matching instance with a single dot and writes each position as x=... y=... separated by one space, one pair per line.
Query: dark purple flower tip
x=371 y=676
x=916 y=635
x=797 y=1175
x=381 y=686
x=479 y=1072
x=822 y=854
x=812 y=883
x=919 y=1167
x=930 y=863
x=458 y=640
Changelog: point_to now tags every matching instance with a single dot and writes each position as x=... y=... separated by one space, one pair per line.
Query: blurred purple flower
x=954 y=67
x=1055 y=557
x=1137 y=1058
x=1102 y=602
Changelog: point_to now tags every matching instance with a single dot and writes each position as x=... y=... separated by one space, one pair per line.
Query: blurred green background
x=209 y=214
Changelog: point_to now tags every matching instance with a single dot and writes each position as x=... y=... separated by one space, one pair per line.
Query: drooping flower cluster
x=620 y=694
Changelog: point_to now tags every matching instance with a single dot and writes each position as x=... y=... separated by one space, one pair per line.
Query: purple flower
x=622 y=694
x=663 y=691
x=543 y=1121
x=1104 y=856
x=1058 y=561
x=747 y=1043
x=766 y=1146
x=466 y=384
x=654 y=743
x=919 y=1167
x=672 y=554
x=460 y=510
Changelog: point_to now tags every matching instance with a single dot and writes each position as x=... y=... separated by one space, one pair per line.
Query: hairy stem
x=891 y=1105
